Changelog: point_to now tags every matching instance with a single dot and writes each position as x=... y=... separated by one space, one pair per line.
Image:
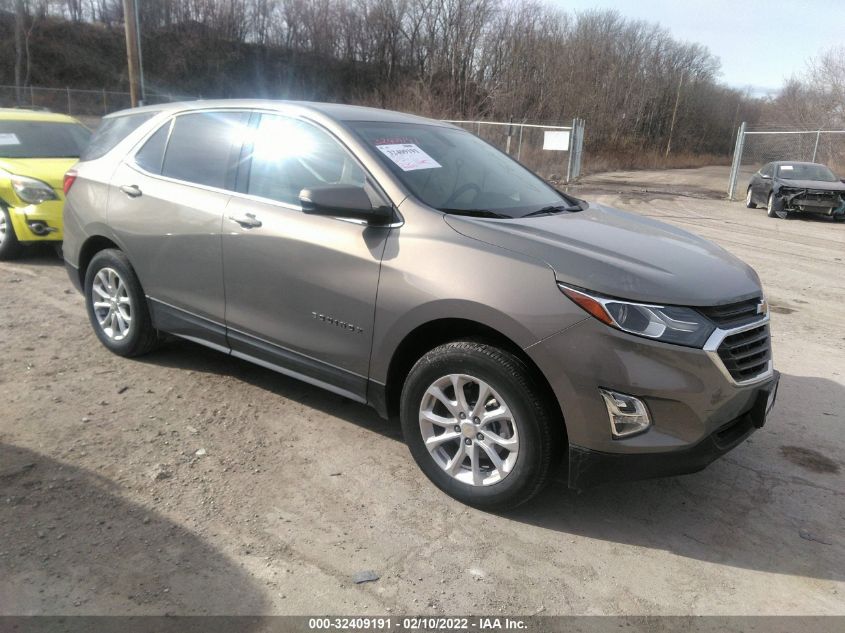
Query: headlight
x=31 y=190
x=670 y=324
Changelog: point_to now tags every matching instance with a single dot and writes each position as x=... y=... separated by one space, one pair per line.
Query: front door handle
x=131 y=190
x=247 y=220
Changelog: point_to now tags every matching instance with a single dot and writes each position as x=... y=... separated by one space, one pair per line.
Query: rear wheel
x=10 y=247
x=116 y=305
x=748 y=200
x=477 y=426
x=774 y=208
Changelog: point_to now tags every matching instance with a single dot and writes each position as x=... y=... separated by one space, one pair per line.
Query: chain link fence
x=554 y=152
x=75 y=101
x=755 y=148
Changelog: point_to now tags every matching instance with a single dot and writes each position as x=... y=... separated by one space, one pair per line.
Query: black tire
x=539 y=430
x=774 y=208
x=141 y=337
x=10 y=247
x=749 y=202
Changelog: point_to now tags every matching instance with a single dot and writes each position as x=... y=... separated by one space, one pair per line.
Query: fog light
x=39 y=227
x=628 y=415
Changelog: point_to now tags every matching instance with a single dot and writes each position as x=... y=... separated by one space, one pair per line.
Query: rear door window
x=111 y=131
x=203 y=147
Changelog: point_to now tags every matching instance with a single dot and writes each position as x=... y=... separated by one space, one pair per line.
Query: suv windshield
x=805 y=171
x=42 y=139
x=456 y=172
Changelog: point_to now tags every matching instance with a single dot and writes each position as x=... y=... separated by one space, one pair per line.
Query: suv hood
x=49 y=170
x=622 y=255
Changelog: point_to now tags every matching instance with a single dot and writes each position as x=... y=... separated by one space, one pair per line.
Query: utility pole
x=133 y=52
x=20 y=19
x=142 y=99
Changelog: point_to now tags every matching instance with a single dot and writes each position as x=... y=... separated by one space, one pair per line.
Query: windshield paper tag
x=408 y=156
x=786 y=167
x=7 y=138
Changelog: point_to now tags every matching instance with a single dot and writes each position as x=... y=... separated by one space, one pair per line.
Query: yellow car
x=36 y=149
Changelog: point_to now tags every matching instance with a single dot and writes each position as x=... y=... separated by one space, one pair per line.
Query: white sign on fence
x=556 y=140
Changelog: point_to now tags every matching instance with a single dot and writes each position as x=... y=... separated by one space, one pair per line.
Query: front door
x=300 y=289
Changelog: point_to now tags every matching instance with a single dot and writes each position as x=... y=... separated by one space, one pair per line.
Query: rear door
x=300 y=289
x=166 y=206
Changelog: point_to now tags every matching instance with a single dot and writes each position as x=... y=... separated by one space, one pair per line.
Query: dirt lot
x=107 y=508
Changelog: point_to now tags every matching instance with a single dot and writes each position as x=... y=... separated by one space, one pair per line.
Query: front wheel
x=116 y=305
x=775 y=208
x=10 y=247
x=477 y=426
x=749 y=202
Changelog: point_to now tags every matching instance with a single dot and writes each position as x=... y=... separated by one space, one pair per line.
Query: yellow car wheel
x=9 y=245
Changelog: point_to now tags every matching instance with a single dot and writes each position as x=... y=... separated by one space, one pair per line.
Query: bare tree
x=639 y=89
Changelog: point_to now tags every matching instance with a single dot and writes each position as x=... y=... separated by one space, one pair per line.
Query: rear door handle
x=131 y=190
x=247 y=220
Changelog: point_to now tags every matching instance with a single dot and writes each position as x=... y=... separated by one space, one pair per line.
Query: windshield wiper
x=555 y=208
x=476 y=213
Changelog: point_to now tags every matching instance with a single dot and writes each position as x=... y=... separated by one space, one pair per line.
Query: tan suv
x=405 y=263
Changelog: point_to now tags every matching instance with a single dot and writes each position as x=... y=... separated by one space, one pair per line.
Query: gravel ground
x=188 y=482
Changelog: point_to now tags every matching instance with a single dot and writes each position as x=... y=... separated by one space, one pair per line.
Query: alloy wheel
x=112 y=305
x=469 y=430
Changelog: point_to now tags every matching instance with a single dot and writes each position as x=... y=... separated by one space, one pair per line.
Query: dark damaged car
x=785 y=188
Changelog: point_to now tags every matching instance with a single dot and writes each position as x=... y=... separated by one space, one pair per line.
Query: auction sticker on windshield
x=408 y=156
x=7 y=138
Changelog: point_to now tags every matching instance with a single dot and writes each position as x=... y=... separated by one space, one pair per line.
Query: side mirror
x=343 y=201
x=765 y=177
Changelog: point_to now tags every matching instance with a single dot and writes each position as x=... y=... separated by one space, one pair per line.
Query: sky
x=760 y=43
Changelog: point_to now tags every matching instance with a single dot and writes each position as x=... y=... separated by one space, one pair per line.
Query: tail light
x=70 y=178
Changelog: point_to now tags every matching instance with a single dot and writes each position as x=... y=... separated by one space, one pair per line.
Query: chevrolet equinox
x=404 y=263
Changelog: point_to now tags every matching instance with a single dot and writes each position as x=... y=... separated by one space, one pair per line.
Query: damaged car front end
x=811 y=200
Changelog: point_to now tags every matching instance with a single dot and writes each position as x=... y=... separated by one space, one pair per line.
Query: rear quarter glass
x=111 y=132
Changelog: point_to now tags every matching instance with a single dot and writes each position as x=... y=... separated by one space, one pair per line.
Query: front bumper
x=588 y=468
x=47 y=213
x=697 y=411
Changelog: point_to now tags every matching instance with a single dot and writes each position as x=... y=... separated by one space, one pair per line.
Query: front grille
x=733 y=314
x=820 y=196
x=746 y=354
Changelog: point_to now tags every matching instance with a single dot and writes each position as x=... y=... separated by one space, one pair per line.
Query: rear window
x=111 y=132
x=42 y=139
x=202 y=147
